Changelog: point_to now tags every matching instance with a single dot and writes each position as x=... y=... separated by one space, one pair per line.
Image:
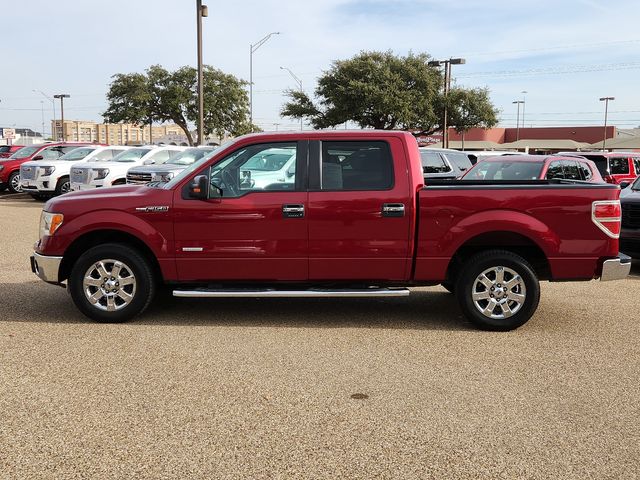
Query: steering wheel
x=229 y=182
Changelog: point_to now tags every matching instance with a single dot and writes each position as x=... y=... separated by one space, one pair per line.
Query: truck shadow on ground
x=434 y=309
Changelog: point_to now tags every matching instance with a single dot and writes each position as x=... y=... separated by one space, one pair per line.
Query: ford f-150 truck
x=353 y=220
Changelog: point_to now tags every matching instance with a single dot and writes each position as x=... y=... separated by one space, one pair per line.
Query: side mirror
x=624 y=184
x=38 y=157
x=148 y=162
x=199 y=187
x=291 y=171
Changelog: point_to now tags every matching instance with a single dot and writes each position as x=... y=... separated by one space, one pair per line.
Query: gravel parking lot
x=263 y=388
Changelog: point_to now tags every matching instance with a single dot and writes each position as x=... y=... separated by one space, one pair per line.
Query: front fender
x=157 y=235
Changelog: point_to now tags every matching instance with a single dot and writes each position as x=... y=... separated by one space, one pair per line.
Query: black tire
x=449 y=286
x=3 y=188
x=14 y=182
x=142 y=293
x=38 y=197
x=522 y=298
x=63 y=186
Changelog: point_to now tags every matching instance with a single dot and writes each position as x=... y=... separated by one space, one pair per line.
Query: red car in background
x=10 y=167
x=8 y=150
x=615 y=167
x=534 y=167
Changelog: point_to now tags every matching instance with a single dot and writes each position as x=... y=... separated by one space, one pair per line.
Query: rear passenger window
x=555 y=170
x=636 y=162
x=587 y=174
x=618 y=166
x=571 y=171
x=356 y=166
x=432 y=162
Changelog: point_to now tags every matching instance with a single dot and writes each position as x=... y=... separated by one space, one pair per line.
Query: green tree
x=379 y=90
x=163 y=96
x=469 y=108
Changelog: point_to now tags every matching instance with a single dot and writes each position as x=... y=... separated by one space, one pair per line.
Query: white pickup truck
x=45 y=178
x=85 y=176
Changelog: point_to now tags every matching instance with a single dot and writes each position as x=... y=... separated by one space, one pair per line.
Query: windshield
x=188 y=156
x=77 y=154
x=198 y=164
x=131 y=155
x=25 y=152
x=432 y=162
x=505 y=170
x=270 y=161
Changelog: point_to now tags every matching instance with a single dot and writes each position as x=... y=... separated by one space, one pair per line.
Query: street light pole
x=447 y=87
x=201 y=11
x=42 y=111
x=62 y=96
x=252 y=48
x=524 y=103
x=54 y=135
x=606 y=110
x=518 y=102
x=299 y=84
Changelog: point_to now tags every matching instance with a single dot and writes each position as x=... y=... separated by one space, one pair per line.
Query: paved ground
x=263 y=389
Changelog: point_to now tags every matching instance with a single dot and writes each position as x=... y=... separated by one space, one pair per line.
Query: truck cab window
x=618 y=166
x=356 y=166
x=265 y=167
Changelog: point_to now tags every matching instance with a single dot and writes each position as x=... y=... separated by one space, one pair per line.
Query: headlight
x=49 y=223
x=46 y=171
x=162 y=177
x=101 y=173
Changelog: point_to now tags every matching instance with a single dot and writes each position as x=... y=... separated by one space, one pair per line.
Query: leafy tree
x=469 y=108
x=161 y=95
x=384 y=91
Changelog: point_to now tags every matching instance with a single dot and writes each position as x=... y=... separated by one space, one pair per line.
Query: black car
x=630 y=234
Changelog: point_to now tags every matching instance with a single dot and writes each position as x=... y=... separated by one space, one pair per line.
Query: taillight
x=606 y=215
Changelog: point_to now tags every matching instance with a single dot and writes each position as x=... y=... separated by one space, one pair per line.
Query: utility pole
x=606 y=110
x=62 y=96
x=201 y=11
x=54 y=135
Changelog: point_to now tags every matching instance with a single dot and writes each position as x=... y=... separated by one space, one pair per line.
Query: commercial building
x=113 y=134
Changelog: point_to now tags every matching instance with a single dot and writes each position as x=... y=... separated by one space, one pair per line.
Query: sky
x=565 y=54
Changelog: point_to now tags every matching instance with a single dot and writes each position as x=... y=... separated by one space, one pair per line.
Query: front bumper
x=42 y=184
x=46 y=267
x=616 y=268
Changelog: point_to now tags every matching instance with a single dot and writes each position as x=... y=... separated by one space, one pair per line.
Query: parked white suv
x=45 y=178
x=85 y=176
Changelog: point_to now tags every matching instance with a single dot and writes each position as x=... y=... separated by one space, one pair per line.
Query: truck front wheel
x=111 y=283
x=498 y=290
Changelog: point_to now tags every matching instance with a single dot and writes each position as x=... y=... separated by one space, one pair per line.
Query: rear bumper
x=616 y=268
x=46 y=267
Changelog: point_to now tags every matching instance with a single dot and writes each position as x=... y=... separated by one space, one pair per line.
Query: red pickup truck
x=351 y=217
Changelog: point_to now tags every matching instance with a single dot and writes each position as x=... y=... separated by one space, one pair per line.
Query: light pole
x=42 y=110
x=293 y=75
x=62 y=96
x=201 y=11
x=518 y=102
x=447 y=87
x=53 y=105
x=252 y=48
x=523 y=92
x=606 y=110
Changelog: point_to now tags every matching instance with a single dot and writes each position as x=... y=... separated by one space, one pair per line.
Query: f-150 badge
x=153 y=209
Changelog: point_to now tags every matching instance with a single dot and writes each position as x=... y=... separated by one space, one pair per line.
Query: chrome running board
x=312 y=293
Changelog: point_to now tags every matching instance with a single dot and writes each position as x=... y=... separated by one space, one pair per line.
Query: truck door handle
x=393 y=210
x=293 y=211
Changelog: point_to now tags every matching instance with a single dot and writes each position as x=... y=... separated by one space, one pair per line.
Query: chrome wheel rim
x=499 y=292
x=15 y=183
x=109 y=285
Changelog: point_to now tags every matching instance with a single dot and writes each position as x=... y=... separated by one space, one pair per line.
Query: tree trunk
x=186 y=131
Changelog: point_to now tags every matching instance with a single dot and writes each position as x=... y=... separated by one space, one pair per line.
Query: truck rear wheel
x=111 y=283
x=497 y=290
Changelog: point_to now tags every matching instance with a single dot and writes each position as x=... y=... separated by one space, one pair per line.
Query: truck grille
x=138 y=178
x=631 y=215
x=28 y=173
x=79 y=175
